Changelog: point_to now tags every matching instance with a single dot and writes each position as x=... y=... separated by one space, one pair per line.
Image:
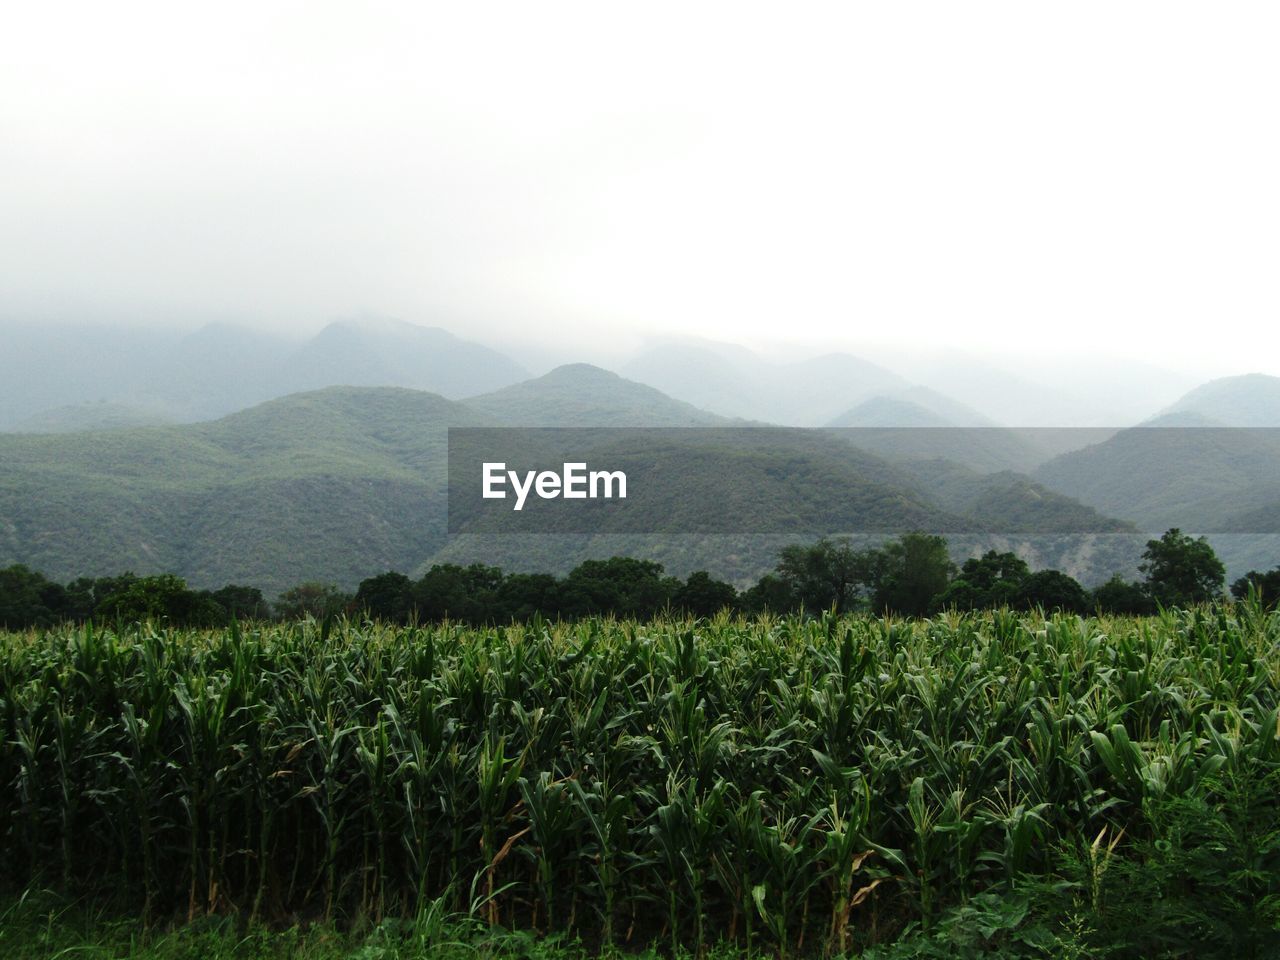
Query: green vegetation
x=581 y=395
x=1182 y=570
x=972 y=785
x=1169 y=474
x=330 y=485
x=912 y=575
x=1266 y=585
x=322 y=486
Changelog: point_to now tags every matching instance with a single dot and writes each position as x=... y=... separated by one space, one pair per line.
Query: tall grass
x=788 y=784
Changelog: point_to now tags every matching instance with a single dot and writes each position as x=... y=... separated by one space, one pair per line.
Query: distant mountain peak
x=744 y=384
x=889 y=411
x=383 y=351
x=580 y=394
x=580 y=373
x=1248 y=400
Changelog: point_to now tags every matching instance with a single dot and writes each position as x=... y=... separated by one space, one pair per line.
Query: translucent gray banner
x=864 y=480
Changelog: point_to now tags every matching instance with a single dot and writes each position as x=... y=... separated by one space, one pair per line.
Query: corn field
x=804 y=786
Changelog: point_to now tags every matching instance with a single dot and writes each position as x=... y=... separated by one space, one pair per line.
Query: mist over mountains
x=67 y=377
x=230 y=455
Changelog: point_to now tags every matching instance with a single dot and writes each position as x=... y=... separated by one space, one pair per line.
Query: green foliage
x=621 y=585
x=916 y=568
x=27 y=599
x=522 y=595
x=1202 y=878
x=319 y=601
x=450 y=592
x=770 y=592
x=387 y=597
x=984 y=583
x=1181 y=570
x=829 y=574
x=1120 y=596
x=242 y=603
x=1051 y=590
x=1266 y=585
x=160 y=598
x=908 y=576
x=1024 y=787
x=701 y=595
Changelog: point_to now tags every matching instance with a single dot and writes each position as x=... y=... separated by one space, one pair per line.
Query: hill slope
x=375 y=353
x=581 y=395
x=734 y=382
x=330 y=485
x=1197 y=478
x=1252 y=400
x=53 y=377
x=346 y=482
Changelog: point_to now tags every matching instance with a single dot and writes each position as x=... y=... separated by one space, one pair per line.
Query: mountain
x=815 y=390
x=1006 y=501
x=890 y=412
x=79 y=417
x=215 y=370
x=331 y=485
x=48 y=373
x=1252 y=400
x=734 y=382
x=164 y=375
x=581 y=395
x=1202 y=463
x=1070 y=389
x=1197 y=478
x=345 y=482
x=921 y=424
x=914 y=406
x=383 y=352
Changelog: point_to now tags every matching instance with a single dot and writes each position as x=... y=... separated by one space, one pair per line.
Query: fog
x=1005 y=179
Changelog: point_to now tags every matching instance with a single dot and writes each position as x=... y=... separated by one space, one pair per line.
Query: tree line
x=912 y=576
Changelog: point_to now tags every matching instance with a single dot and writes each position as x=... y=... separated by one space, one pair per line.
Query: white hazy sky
x=1016 y=176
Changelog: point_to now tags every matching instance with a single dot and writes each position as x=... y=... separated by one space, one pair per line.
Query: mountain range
x=133 y=462
x=74 y=378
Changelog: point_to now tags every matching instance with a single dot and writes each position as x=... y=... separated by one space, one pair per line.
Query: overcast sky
x=995 y=175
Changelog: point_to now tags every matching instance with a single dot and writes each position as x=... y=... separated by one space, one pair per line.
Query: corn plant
x=800 y=785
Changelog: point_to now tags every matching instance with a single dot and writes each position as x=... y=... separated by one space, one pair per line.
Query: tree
x=26 y=598
x=162 y=597
x=769 y=594
x=827 y=574
x=1181 y=571
x=1266 y=584
x=85 y=593
x=622 y=586
x=521 y=595
x=312 y=599
x=387 y=597
x=702 y=596
x=915 y=570
x=986 y=582
x=1051 y=590
x=451 y=592
x=1118 y=595
x=242 y=603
